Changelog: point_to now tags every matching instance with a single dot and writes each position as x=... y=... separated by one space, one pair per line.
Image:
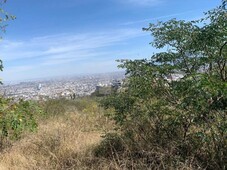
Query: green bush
x=17 y=117
x=171 y=123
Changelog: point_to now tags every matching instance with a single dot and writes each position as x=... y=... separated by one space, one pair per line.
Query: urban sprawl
x=67 y=87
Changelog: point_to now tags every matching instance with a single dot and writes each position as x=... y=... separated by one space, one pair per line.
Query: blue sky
x=57 y=38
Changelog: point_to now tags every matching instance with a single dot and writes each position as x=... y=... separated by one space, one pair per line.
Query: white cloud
x=144 y=2
x=158 y=18
x=28 y=58
x=77 y=45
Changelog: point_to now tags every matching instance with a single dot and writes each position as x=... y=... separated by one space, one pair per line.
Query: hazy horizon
x=49 y=78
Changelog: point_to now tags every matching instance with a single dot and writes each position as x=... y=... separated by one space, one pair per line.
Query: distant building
x=39 y=86
x=174 y=77
x=98 y=87
x=116 y=84
x=102 y=90
x=67 y=93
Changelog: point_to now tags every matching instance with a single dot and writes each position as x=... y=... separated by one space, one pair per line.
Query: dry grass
x=62 y=142
x=67 y=139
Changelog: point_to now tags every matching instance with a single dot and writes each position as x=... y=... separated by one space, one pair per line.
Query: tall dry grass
x=63 y=141
x=69 y=137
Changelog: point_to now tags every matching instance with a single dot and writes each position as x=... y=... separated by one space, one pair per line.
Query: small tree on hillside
x=4 y=18
x=185 y=118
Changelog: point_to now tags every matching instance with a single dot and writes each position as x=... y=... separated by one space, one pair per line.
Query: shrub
x=171 y=123
x=16 y=117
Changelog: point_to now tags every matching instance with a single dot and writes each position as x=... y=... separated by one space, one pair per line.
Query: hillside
x=63 y=140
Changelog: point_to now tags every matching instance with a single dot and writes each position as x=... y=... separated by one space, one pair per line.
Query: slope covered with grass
x=64 y=140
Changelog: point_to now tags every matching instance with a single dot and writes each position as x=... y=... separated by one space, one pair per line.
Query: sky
x=52 y=38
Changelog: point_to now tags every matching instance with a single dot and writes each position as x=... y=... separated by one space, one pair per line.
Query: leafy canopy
x=190 y=112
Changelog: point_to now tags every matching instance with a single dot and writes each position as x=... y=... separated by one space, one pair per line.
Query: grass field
x=65 y=139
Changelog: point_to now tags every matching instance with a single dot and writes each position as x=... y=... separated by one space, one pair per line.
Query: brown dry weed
x=62 y=142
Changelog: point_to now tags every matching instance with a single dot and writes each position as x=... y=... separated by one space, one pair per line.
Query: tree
x=4 y=18
x=15 y=117
x=187 y=117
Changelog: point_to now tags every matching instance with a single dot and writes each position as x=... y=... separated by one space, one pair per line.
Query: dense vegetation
x=166 y=124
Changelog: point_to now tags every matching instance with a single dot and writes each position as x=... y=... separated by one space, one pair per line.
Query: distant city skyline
x=56 y=38
x=68 y=87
